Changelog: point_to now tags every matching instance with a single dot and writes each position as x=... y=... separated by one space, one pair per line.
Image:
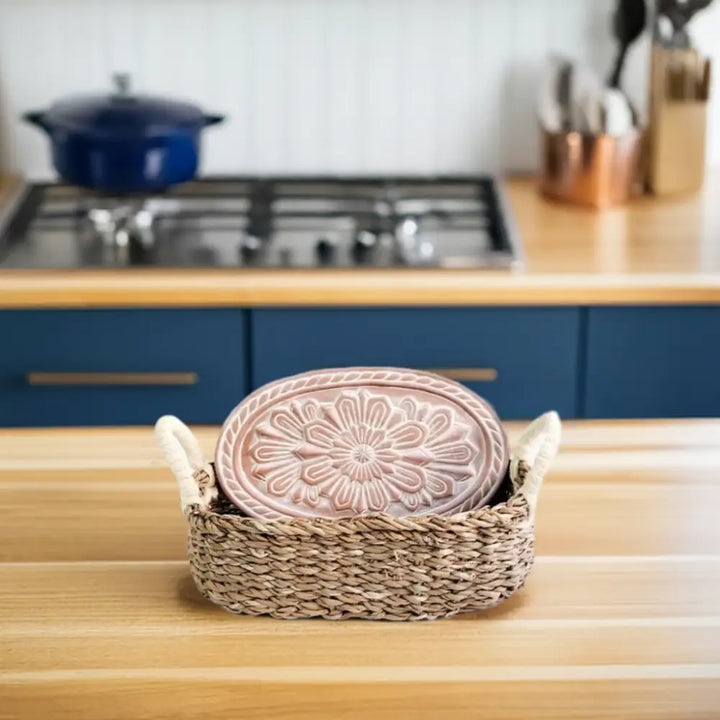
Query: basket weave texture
x=370 y=566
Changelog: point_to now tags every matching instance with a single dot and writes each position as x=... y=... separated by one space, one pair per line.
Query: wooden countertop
x=620 y=617
x=653 y=251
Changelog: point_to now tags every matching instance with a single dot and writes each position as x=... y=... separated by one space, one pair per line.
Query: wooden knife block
x=677 y=132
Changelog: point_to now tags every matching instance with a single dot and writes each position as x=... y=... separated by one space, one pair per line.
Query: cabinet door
x=523 y=360
x=119 y=367
x=653 y=362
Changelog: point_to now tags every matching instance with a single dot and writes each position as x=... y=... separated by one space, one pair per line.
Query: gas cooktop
x=268 y=222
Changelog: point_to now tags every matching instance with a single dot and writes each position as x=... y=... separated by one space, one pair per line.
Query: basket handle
x=536 y=449
x=182 y=453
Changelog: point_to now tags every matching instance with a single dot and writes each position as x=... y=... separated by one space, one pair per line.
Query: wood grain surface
x=620 y=617
x=651 y=251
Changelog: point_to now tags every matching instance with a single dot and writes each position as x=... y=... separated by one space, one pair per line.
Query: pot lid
x=123 y=113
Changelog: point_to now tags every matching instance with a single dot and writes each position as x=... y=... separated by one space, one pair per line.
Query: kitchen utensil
x=587 y=94
x=684 y=74
x=564 y=95
x=548 y=109
x=691 y=68
x=351 y=441
x=628 y=24
x=678 y=13
x=121 y=142
x=618 y=115
x=594 y=170
x=703 y=92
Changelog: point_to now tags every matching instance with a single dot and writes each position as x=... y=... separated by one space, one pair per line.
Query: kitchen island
x=620 y=617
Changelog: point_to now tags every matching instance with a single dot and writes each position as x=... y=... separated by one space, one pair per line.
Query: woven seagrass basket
x=370 y=566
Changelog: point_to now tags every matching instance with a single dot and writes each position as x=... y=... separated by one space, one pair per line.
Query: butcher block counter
x=653 y=251
x=620 y=617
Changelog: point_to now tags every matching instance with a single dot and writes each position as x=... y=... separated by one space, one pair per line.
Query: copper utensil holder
x=594 y=170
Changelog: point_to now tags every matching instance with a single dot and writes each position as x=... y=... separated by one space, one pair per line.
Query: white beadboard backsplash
x=320 y=86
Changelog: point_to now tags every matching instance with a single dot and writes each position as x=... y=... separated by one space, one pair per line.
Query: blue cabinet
x=116 y=367
x=534 y=351
x=653 y=362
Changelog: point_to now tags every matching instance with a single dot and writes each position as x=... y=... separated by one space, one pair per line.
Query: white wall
x=318 y=85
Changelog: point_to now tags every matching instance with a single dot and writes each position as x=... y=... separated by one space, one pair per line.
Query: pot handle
x=182 y=453
x=536 y=449
x=213 y=119
x=36 y=118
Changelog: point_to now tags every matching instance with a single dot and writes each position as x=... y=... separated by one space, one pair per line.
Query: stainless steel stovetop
x=298 y=222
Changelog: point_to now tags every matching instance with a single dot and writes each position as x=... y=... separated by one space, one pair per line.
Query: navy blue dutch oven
x=124 y=143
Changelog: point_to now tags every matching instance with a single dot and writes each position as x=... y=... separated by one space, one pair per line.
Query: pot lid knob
x=121 y=81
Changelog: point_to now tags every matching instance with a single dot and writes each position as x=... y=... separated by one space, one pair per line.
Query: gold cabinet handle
x=485 y=374
x=111 y=378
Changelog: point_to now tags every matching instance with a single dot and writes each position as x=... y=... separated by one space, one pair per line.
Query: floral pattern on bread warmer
x=361 y=452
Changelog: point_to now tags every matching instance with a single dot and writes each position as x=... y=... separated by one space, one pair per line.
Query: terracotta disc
x=350 y=441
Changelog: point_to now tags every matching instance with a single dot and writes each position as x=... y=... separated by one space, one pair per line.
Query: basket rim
x=507 y=512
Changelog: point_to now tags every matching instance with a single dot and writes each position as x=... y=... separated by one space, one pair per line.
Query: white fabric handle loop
x=537 y=447
x=182 y=453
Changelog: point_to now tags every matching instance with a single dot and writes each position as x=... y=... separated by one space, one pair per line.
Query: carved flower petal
x=406 y=477
x=409 y=434
x=439 y=484
x=425 y=498
x=306 y=494
x=375 y=497
x=460 y=453
x=318 y=471
x=386 y=455
x=362 y=472
x=411 y=500
x=287 y=422
x=422 y=413
x=312 y=495
x=359 y=434
x=439 y=422
x=343 y=493
x=376 y=438
x=320 y=433
x=339 y=454
x=279 y=481
x=275 y=442
x=307 y=409
x=377 y=411
x=410 y=407
x=267 y=452
x=349 y=411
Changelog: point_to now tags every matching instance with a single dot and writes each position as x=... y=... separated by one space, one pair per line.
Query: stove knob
x=250 y=248
x=325 y=250
x=365 y=242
